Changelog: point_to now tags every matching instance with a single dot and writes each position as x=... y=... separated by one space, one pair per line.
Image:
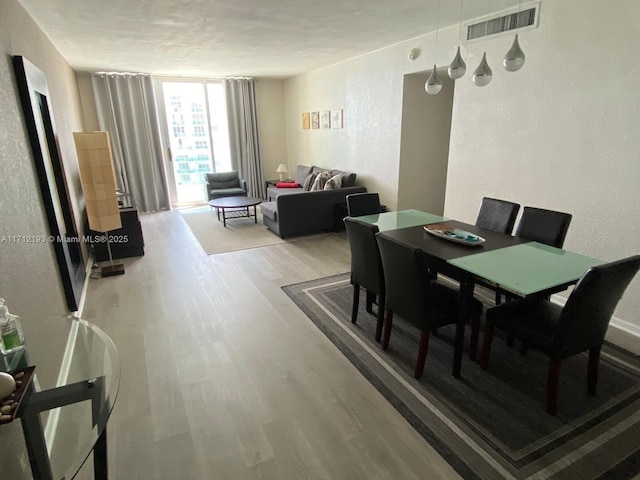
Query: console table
x=76 y=369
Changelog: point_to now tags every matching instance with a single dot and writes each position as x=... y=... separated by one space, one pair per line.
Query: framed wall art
x=315 y=120
x=336 y=118
x=325 y=119
x=306 y=121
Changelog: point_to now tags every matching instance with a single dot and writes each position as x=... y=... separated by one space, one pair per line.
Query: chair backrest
x=497 y=215
x=223 y=179
x=366 y=264
x=406 y=280
x=585 y=317
x=359 y=204
x=544 y=226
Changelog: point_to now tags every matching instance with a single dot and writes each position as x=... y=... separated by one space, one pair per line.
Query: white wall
x=271 y=121
x=29 y=276
x=424 y=144
x=560 y=133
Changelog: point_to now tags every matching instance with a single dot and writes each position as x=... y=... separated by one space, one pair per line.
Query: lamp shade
x=98 y=180
x=281 y=170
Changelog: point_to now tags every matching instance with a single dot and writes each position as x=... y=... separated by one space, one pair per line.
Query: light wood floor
x=223 y=377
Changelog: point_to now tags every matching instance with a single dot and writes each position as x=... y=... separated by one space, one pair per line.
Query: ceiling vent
x=526 y=18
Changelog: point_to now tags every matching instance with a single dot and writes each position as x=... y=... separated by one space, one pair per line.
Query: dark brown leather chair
x=359 y=204
x=412 y=293
x=562 y=332
x=544 y=226
x=366 y=268
x=497 y=215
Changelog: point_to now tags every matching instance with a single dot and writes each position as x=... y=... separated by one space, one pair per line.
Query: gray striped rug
x=491 y=424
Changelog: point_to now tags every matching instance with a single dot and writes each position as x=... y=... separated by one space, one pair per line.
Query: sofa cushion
x=226 y=192
x=308 y=182
x=269 y=210
x=223 y=180
x=302 y=172
x=348 y=178
x=320 y=181
x=334 y=182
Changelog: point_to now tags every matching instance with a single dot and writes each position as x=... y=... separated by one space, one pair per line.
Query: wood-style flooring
x=223 y=377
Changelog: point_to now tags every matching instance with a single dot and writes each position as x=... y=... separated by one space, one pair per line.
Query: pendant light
x=483 y=74
x=514 y=59
x=434 y=85
x=458 y=68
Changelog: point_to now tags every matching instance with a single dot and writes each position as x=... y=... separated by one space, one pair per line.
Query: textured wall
x=560 y=134
x=29 y=278
x=271 y=119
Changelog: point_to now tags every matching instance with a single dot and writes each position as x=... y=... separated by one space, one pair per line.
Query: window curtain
x=126 y=108
x=242 y=117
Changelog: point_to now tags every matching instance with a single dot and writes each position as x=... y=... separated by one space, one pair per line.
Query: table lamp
x=99 y=186
x=282 y=169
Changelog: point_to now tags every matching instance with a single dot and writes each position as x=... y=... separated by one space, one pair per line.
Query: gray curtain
x=243 y=133
x=126 y=108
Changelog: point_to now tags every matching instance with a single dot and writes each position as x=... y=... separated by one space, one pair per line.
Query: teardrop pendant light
x=483 y=74
x=458 y=68
x=434 y=85
x=514 y=59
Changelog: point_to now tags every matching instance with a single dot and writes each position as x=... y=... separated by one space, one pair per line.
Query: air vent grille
x=506 y=23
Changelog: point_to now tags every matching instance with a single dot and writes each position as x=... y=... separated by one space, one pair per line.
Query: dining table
x=523 y=268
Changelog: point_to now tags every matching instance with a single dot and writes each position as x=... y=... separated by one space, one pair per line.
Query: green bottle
x=10 y=330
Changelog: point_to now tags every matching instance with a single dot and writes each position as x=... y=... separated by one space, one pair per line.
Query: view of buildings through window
x=198 y=135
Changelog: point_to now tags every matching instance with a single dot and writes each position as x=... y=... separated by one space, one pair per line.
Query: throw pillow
x=320 y=181
x=287 y=185
x=334 y=182
x=308 y=182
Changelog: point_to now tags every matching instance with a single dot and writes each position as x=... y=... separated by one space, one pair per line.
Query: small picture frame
x=325 y=119
x=336 y=118
x=306 y=121
x=315 y=120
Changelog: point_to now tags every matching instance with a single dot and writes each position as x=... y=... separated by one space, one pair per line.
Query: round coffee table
x=238 y=207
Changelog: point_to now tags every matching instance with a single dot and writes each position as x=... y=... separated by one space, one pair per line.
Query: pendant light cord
x=435 y=54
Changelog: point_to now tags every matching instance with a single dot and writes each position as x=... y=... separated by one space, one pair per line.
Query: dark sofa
x=296 y=212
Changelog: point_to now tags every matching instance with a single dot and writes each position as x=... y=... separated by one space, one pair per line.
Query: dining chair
x=359 y=204
x=366 y=268
x=544 y=226
x=562 y=332
x=497 y=215
x=412 y=294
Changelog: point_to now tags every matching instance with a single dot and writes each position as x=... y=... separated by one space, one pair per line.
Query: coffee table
x=238 y=207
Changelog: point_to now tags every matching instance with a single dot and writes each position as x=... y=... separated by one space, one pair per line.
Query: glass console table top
x=402 y=219
x=527 y=268
x=65 y=350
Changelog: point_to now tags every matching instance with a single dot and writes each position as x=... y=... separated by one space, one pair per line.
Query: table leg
x=466 y=295
x=224 y=218
x=255 y=216
x=100 y=463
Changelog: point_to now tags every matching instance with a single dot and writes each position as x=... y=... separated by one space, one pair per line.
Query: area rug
x=240 y=233
x=491 y=424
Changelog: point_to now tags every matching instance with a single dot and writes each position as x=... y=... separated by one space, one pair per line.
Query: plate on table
x=453 y=234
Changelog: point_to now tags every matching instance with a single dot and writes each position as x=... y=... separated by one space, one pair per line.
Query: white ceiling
x=216 y=38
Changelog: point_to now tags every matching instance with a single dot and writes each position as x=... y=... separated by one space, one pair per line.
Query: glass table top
x=402 y=219
x=65 y=350
x=527 y=268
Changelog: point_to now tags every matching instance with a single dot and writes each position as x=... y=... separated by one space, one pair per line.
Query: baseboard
x=624 y=334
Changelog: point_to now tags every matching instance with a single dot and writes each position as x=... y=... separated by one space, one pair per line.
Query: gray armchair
x=225 y=184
